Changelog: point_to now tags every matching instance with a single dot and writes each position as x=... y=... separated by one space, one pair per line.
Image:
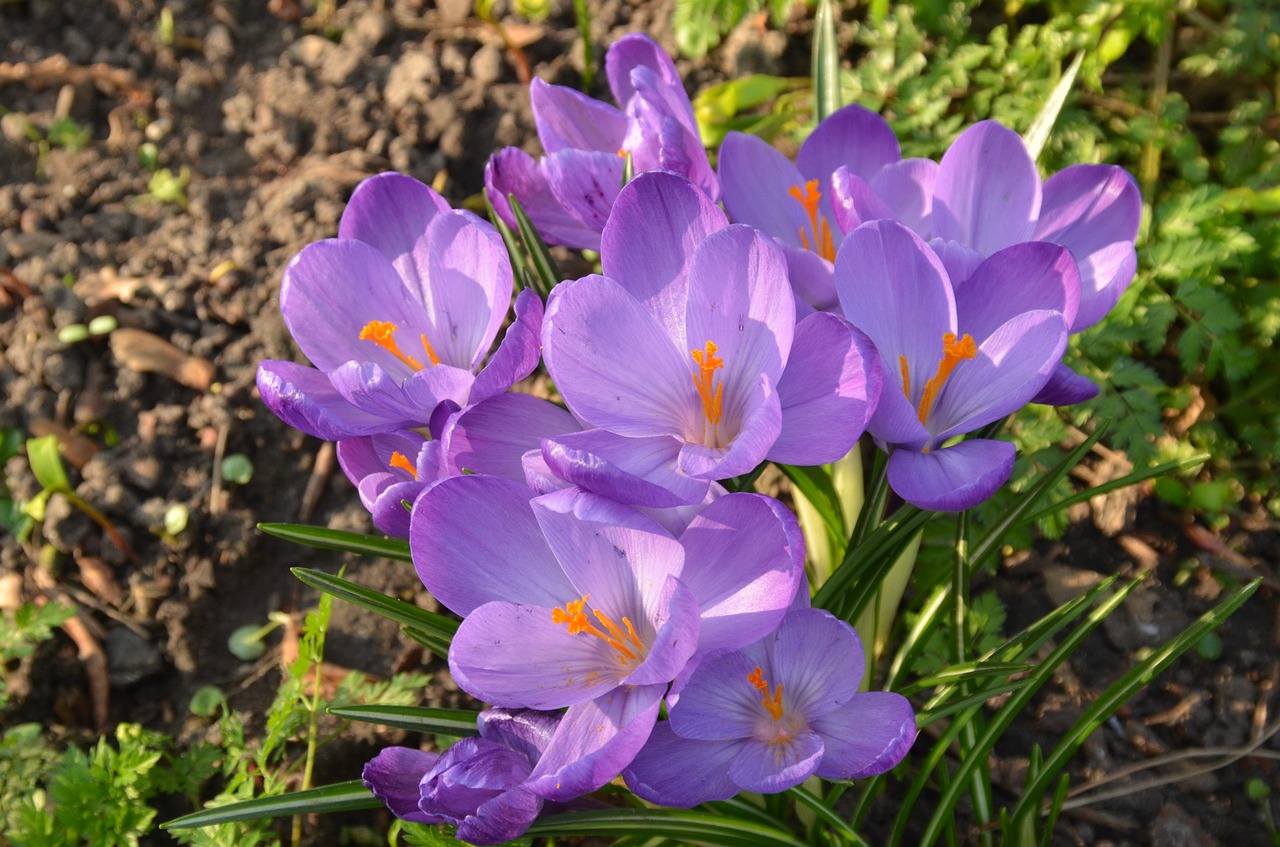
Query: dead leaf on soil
x=139 y=350
x=97 y=576
x=106 y=284
x=94 y=660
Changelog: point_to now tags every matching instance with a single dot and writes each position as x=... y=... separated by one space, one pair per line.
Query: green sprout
x=46 y=464
x=167 y=187
x=237 y=468
x=246 y=642
x=99 y=326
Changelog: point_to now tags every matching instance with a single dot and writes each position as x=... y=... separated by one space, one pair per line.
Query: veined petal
x=468 y=288
x=585 y=182
x=502 y=819
x=636 y=471
x=954 y=478
x=818 y=660
x=513 y=171
x=853 y=137
x=1066 y=388
x=491 y=437
x=719 y=702
x=854 y=201
x=656 y=222
x=866 y=736
x=770 y=767
x=595 y=741
x=755 y=179
x=680 y=150
x=906 y=187
x=676 y=639
x=987 y=191
x=367 y=386
x=960 y=261
x=614 y=363
x=497 y=553
x=675 y=771
x=393 y=776
x=518 y=353
x=637 y=50
x=568 y=119
x=812 y=279
x=305 y=399
x=1034 y=275
x=828 y=392
x=390 y=211
x=758 y=425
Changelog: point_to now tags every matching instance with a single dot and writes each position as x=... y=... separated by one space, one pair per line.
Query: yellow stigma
x=383 y=333
x=773 y=705
x=822 y=243
x=953 y=353
x=627 y=644
x=401 y=461
x=712 y=393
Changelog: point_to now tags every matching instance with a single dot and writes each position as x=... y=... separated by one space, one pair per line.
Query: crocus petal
x=719 y=701
x=1094 y=211
x=906 y=187
x=306 y=400
x=1066 y=388
x=523 y=730
x=468 y=288
x=818 y=660
x=866 y=736
x=492 y=436
x=960 y=261
x=854 y=201
x=853 y=137
x=390 y=211
x=775 y=766
x=614 y=363
x=1022 y=278
x=497 y=553
x=675 y=771
x=739 y=564
x=676 y=640
x=393 y=776
x=637 y=471
x=987 y=191
x=954 y=478
x=368 y=386
x=568 y=119
x=501 y=819
x=760 y=424
x=756 y=180
x=812 y=279
x=680 y=150
x=513 y=171
x=637 y=50
x=656 y=222
x=893 y=288
x=828 y=391
x=585 y=183
x=389 y=513
x=517 y=355
x=595 y=741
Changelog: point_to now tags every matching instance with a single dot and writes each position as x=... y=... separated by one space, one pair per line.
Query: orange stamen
x=953 y=353
x=712 y=394
x=399 y=460
x=822 y=243
x=431 y=354
x=382 y=333
x=574 y=615
x=773 y=705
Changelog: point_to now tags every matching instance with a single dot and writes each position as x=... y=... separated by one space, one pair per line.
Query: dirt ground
x=276 y=116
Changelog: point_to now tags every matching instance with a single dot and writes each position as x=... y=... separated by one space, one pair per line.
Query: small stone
x=486 y=65
x=218 y=44
x=130 y=657
x=310 y=50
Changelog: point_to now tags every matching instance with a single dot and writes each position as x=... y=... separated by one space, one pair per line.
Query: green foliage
x=985 y=622
x=700 y=24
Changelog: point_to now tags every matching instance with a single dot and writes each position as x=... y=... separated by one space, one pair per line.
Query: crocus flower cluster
x=600 y=564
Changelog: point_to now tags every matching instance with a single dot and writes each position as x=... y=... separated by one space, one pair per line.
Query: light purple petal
x=369 y=387
x=960 y=261
x=739 y=563
x=657 y=221
x=389 y=512
x=595 y=741
x=987 y=191
x=757 y=429
x=526 y=731
x=1107 y=273
x=393 y=776
x=1026 y=277
x=812 y=279
x=676 y=639
x=1066 y=388
x=854 y=201
x=818 y=660
x=866 y=736
x=854 y=137
x=492 y=436
x=305 y=399
x=513 y=171
x=718 y=701
x=828 y=392
x=636 y=471
x=614 y=363
x=770 y=767
x=567 y=118
x=680 y=150
x=906 y=188
x=756 y=178
x=517 y=355
x=501 y=819
x=585 y=183
x=637 y=50
x=678 y=772
x=390 y=211
x=496 y=553
x=954 y=478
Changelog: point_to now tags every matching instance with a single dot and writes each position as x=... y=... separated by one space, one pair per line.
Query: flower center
x=711 y=392
x=401 y=461
x=822 y=243
x=383 y=333
x=626 y=645
x=772 y=705
x=953 y=353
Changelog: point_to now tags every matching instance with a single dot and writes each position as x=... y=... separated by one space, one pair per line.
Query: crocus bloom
x=477 y=785
x=568 y=194
x=687 y=351
x=570 y=600
x=397 y=314
x=955 y=357
x=792 y=202
x=766 y=717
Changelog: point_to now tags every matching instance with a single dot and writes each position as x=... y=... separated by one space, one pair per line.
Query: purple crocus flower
x=956 y=357
x=686 y=354
x=397 y=314
x=477 y=785
x=568 y=194
x=768 y=716
x=570 y=600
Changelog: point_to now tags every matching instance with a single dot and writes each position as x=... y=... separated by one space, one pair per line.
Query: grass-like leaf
x=1037 y=134
x=815 y=484
x=340 y=797
x=437 y=644
x=546 y=274
x=685 y=826
x=519 y=268
x=826 y=62
x=375 y=601
x=1164 y=469
x=458 y=722
x=336 y=539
